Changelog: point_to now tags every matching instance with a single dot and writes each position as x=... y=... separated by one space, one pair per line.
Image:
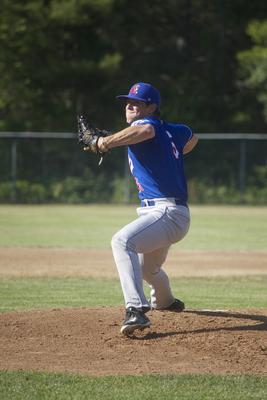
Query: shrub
x=22 y=192
x=88 y=189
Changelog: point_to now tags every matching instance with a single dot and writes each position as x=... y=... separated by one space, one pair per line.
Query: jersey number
x=175 y=151
x=174 y=148
x=130 y=164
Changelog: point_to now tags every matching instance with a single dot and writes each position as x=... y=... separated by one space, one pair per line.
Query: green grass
x=30 y=293
x=41 y=386
x=212 y=228
x=220 y=293
x=227 y=228
x=61 y=226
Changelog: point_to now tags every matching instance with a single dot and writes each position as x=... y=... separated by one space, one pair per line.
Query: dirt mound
x=88 y=341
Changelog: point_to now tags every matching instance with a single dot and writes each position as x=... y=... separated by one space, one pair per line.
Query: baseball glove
x=88 y=136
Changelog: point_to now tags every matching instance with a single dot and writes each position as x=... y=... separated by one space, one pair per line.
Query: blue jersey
x=157 y=164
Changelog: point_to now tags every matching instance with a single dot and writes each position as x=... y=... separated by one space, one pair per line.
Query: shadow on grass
x=261 y=326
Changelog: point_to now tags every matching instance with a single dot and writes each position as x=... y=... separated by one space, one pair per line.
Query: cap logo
x=134 y=89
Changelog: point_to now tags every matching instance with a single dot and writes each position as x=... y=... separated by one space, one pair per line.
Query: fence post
x=242 y=167
x=14 y=169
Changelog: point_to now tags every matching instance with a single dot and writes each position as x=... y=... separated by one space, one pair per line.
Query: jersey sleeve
x=184 y=134
x=143 y=121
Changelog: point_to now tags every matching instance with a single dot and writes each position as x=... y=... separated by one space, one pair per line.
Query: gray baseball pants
x=141 y=247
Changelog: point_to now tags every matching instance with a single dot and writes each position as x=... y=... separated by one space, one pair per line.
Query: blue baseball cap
x=143 y=92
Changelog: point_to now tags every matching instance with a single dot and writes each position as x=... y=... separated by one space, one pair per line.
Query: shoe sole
x=146 y=309
x=129 y=329
x=175 y=310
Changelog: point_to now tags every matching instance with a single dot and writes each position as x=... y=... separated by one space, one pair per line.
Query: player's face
x=136 y=109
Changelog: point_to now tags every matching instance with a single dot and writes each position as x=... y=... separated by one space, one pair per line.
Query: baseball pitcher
x=156 y=151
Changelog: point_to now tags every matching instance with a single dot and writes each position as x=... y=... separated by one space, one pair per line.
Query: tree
x=59 y=58
x=54 y=62
x=253 y=62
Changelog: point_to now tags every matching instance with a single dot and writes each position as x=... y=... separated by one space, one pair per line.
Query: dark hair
x=156 y=113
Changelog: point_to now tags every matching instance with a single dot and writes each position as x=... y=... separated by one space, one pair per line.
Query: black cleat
x=176 y=306
x=145 y=309
x=134 y=319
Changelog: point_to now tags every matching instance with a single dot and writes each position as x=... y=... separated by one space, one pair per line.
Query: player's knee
x=147 y=276
x=122 y=242
x=150 y=271
x=118 y=241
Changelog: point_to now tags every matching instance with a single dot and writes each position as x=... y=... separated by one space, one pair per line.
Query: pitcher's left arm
x=190 y=144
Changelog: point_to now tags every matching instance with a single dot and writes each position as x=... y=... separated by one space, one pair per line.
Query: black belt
x=149 y=203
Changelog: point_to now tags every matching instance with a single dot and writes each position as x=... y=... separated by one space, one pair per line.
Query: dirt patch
x=88 y=341
x=17 y=262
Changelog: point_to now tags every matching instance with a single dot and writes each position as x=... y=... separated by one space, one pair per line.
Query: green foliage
x=204 y=193
x=89 y=189
x=260 y=176
x=86 y=189
x=253 y=62
x=24 y=191
x=54 y=60
x=46 y=386
x=60 y=57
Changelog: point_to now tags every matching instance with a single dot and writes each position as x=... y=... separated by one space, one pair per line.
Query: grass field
x=33 y=386
x=222 y=293
x=213 y=228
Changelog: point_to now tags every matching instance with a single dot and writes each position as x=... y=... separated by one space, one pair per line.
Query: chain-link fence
x=51 y=167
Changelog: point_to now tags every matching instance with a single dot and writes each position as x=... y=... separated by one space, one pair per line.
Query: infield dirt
x=17 y=262
x=88 y=341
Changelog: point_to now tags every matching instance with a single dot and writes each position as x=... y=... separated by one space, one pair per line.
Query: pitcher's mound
x=88 y=341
